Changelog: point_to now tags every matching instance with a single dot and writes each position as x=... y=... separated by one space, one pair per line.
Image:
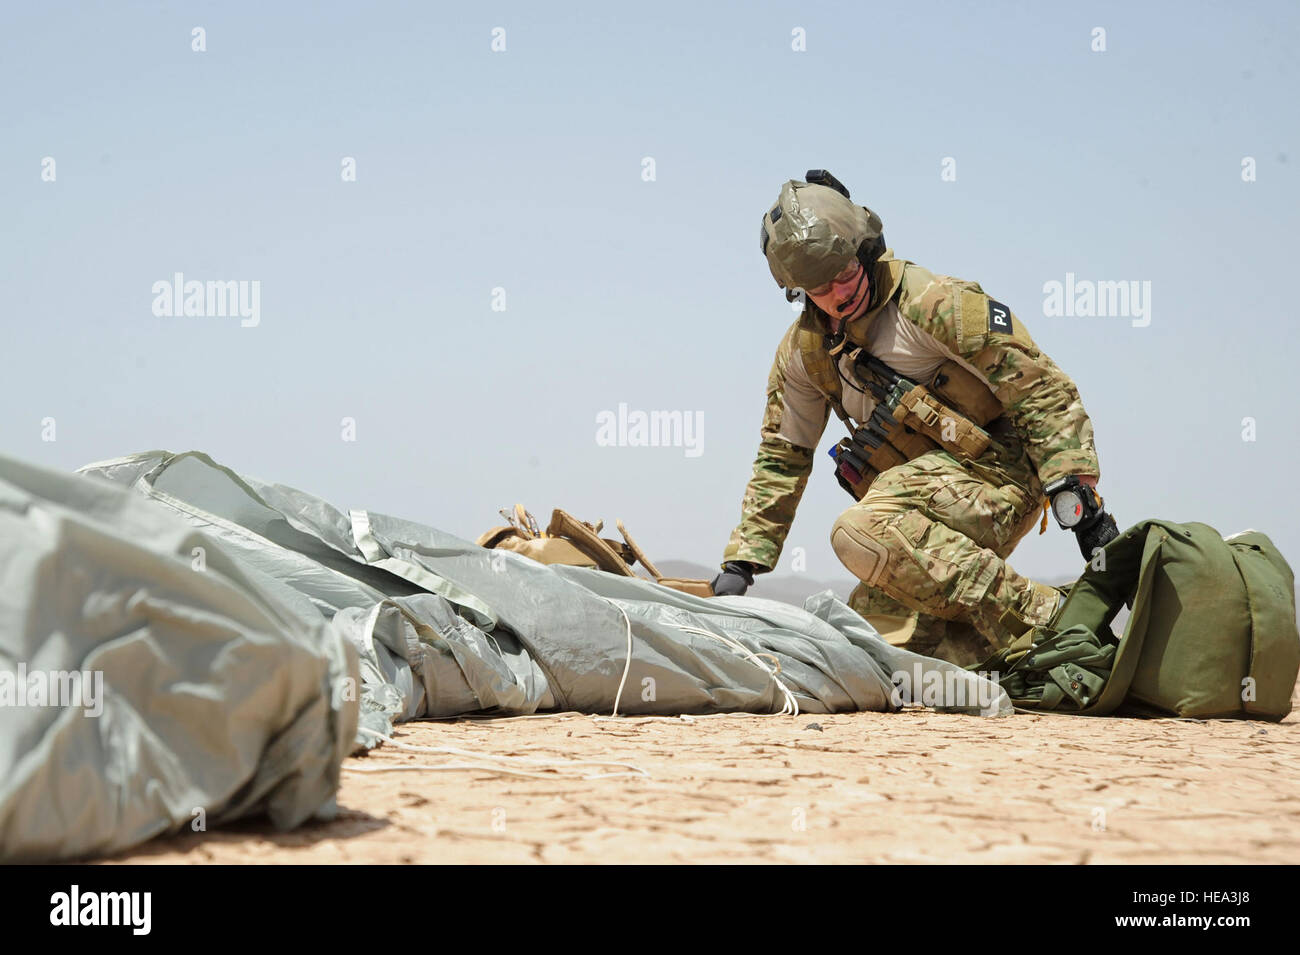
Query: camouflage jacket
x=926 y=320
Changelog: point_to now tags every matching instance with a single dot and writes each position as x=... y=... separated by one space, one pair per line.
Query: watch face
x=1068 y=508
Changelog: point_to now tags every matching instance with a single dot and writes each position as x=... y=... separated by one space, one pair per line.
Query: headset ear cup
x=869 y=254
x=870 y=251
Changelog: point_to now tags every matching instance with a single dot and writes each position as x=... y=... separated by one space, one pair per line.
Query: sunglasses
x=850 y=272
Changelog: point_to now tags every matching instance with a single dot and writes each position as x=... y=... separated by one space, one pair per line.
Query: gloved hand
x=737 y=576
x=1098 y=534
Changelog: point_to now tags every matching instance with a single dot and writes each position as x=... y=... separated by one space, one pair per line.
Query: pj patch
x=1000 y=318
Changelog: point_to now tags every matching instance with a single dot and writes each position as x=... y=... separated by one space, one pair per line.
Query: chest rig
x=910 y=418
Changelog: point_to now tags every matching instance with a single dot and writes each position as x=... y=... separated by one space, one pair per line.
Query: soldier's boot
x=953 y=640
x=963 y=645
x=897 y=623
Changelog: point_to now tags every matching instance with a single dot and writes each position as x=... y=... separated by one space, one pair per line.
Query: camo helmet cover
x=812 y=233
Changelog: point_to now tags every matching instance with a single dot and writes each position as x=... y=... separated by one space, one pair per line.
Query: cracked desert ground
x=915 y=786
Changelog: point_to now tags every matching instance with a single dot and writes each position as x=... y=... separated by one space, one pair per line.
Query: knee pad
x=859 y=551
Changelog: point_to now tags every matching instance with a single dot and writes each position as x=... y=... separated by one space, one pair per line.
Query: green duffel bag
x=1212 y=631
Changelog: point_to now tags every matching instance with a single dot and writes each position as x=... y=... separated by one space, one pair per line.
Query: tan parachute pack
x=576 y=543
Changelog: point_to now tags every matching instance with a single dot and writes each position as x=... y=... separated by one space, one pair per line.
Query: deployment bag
x=1212 y=632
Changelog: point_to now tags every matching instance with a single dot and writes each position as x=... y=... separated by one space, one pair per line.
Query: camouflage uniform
x=930 y=538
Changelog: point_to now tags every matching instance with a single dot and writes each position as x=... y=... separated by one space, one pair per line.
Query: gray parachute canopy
x=176 y=638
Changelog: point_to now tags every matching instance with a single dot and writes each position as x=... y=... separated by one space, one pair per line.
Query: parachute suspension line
x=627 y=665
x=791 y=705
x=446 y=767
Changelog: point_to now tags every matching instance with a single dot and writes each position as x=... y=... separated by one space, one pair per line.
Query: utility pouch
x=959 y=388
x=883 y=443
x=922 y=411
x=851 y=471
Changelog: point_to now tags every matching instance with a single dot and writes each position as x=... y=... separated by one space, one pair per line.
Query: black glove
x=737 y=576
x=1098 y=534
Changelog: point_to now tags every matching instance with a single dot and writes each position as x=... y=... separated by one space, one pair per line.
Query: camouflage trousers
x=929 y=542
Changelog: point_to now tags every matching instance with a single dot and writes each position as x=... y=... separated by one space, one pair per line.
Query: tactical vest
x=948 y=411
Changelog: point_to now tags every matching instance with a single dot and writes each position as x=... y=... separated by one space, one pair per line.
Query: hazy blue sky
x=522 y=170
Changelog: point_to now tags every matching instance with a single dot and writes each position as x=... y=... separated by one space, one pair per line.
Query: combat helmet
x=815 y=230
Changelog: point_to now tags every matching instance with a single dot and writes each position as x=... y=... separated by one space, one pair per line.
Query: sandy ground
x=916 y=786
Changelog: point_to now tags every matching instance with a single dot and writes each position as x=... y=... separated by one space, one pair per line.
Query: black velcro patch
x=999 y=318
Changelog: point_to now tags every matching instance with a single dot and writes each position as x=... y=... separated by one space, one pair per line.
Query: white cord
x=575 y=715
x=626 y=666
x=473 y=767
x=457 y=767
x=791 y=706
x=528 y=760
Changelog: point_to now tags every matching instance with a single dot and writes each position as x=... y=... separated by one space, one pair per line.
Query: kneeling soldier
x=959 y=426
